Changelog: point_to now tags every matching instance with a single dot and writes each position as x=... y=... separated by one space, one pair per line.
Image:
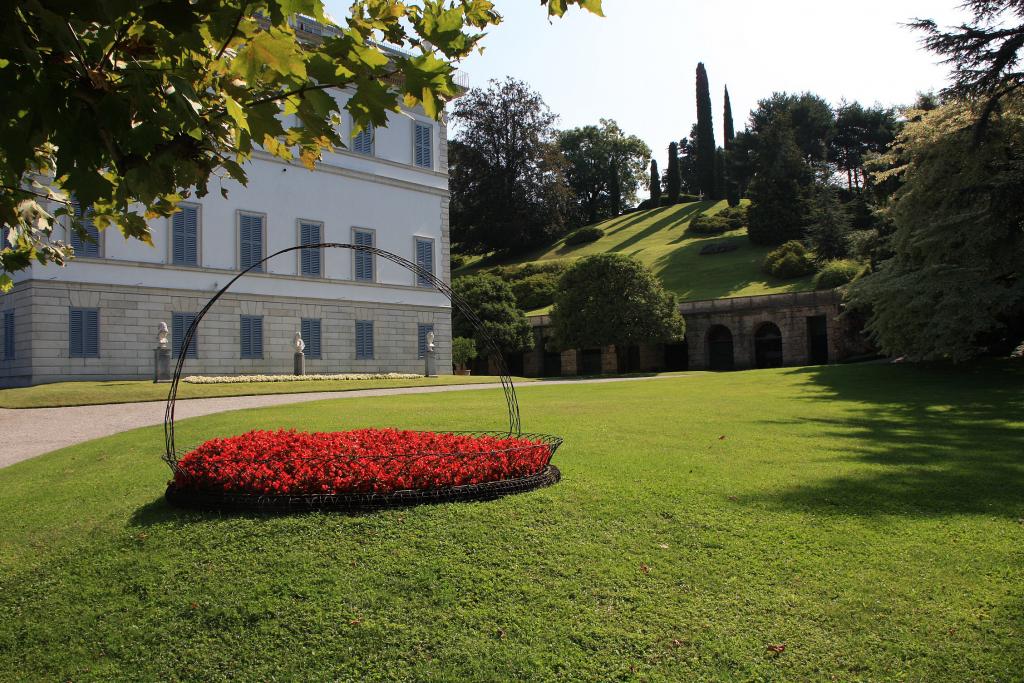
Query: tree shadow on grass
x=923 y=441
x=673 y=219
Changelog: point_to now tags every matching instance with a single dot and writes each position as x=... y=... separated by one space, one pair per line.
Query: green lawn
x=659 y=239
x=92 y=393
x=868 y=518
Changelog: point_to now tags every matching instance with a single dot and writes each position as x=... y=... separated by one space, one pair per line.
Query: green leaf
x=236 y=112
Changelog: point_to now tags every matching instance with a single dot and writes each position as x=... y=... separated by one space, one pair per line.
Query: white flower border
x=242 y=379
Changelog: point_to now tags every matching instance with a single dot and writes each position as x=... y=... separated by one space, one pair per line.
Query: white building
x=97 y=318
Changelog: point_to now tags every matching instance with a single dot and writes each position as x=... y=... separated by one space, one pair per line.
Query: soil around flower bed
x=357 y=502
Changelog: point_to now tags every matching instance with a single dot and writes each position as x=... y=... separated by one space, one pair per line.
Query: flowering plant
x=239 y=379
x=287 y=462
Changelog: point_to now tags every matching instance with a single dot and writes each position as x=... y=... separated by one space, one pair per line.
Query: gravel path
x=29 y=432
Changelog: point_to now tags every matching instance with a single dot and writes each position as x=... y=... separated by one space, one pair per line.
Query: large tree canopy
x=507 y=179
x=613 y=299
x=125 y=105
x=954 y=285
x=597 y=157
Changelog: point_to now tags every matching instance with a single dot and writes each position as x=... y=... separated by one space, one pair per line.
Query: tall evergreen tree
x=655 y=186
x=614 y=190
x=673 y=183
x=730 y=131
x=705 y=136
x=732 y=189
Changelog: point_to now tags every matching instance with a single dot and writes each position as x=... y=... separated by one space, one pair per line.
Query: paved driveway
x=29 y=432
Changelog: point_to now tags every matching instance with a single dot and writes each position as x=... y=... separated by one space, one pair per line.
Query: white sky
x=637 y=64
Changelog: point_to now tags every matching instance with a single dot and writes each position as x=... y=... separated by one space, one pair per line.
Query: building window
x=180 y=322
x=250 y=241
x=423 y=146
x=310 y=329
x=8 y=335
x=364 y=260
x=251 y=335
x=84 y=333
x=185 y=236
x=364 y=339
x=425 y=260
x=421 y=339
x=363 y=143
x=89 y=245
x=310 y=260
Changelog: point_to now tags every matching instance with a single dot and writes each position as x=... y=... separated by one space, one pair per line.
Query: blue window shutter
x=421 y=339
x=364 y=259
x=245 y=337
x=257 y=337
x=91 y=346
x=425 y=260
x=363 y=143
x=75 y=333
x=309 y=233
x=423 y=146
x=8 y=335
x=364 y=339
x=85 y=247
x=180 y=322
x=311 y=335
x=250 y=239
x=185 y=236
x=251 y=336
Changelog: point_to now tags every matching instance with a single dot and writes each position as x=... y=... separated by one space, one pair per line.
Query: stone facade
x=129 y=316
x=801 y=328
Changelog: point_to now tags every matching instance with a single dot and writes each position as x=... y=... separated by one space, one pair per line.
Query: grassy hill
x=659 y=238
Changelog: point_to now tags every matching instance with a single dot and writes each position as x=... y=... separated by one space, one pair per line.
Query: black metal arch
x=514 y=426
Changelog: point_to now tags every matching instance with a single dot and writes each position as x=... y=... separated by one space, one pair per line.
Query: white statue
x=430 y=341
x=300 y=345
x=161 y=335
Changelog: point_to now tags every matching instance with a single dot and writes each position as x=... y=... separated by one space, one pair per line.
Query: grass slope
x=127 y=391
x=868 y=518
x=658 y=237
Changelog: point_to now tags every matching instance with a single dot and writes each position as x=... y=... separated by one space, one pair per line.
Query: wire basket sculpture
x=424 y=476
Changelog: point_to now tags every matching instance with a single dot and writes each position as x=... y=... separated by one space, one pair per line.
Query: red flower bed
x=287 y=462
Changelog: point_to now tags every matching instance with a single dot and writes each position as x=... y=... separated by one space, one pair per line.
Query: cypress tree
x=732 y=190
x=705 y=136
x=730 y=131
x=655 y=186
x=673 y=182
x=615 y=191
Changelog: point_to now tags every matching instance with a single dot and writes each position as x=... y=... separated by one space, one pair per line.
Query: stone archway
x=720 y=348
x=767 y=346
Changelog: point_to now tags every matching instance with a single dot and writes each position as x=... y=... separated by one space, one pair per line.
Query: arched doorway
x=768 y=346
x=720 y=356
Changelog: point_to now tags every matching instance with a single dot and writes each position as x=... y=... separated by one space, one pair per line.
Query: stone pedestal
x=300 y=363
x=161 y=365
x=430 y=364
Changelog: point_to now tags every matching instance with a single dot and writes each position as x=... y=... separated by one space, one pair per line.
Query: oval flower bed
x=363 y=461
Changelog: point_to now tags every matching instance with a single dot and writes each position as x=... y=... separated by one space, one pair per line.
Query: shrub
x=536 y=291
x=651 y=203
x=791 y=260
x=463 y=351
x=709 y=225
x=589 y=233
x=458 y=260
x=736 y=215
x=837 y=273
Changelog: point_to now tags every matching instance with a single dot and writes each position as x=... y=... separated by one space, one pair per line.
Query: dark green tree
x=777 y=191
x=655 y=185
x=491 y=298
x=809 y=117
x=830 y=224
x=954 y=285
x=507 y=173
x=859 y=133
x=673 y=184
x=732 y=188
x=613 y=299
x=705 y=140
x=615 y=191
x=590 y=153
x=127 y=106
